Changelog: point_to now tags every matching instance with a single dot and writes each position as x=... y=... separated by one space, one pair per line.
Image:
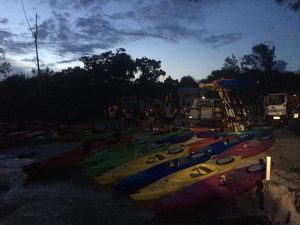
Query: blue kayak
x=256 y=132
x=152 y=174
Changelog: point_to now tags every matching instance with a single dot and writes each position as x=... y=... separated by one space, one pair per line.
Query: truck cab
x=275 y=108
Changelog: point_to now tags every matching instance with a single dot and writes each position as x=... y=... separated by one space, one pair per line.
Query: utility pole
x=2 y=54
x=35 y=35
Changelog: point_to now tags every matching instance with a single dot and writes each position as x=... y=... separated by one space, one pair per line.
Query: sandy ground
x=73 y=198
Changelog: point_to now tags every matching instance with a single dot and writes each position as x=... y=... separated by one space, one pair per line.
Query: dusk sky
x=188 y=37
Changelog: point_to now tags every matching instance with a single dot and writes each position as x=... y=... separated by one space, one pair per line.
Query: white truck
x=205 y=111
x=275 y=108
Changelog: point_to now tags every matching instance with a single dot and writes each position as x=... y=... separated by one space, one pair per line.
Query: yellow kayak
x=185 y=177
x=140 y=164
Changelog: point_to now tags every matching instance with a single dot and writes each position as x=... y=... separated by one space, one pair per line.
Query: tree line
x=83 y=93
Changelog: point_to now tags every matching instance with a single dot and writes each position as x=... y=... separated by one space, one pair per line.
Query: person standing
x=113 y=116
x=169 y=117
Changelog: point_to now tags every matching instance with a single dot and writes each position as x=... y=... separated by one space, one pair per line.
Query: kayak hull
x=69 y=160
x=212 y=190
x=185 y=177
x=157 y=172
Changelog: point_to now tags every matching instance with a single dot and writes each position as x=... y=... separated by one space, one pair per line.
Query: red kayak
x=250 y=147
x=197 y=129
x=19 y=138
x=69 y=160
x=192 y=147
x=214 y=189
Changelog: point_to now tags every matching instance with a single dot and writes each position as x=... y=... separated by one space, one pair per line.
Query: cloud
x=4 y=35
x=3 y=21
x=221 y=40
x=31 y=60
x=20 y=47
x=93 y=26
x=67 y=61
x=75 y=4
x=280 y=65
x=46 y=29
x=49 y=65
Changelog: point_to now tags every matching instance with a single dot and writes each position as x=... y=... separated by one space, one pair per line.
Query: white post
x=268 y=169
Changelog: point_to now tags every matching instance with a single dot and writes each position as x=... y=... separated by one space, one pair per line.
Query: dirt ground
x=74 y=199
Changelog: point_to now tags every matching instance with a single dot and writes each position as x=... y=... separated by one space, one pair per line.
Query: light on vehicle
x=276 y=117
x=190 y=117
x=296 y=115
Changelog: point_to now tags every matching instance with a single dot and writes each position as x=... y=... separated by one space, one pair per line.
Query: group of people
x=149 y=117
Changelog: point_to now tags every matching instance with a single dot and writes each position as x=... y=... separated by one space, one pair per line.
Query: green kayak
x=45 y=139
x=127 y=156
x=106 y=135
x=113 y=152
x=116 y=152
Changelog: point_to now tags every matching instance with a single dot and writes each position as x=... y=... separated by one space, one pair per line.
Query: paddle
x=20 y=156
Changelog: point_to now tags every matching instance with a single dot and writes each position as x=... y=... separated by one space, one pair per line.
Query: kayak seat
x=200 y=171
x=155 y=158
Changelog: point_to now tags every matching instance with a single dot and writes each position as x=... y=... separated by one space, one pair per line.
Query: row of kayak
x=144 y=171
x=163 y=165
x=176 y=169
x=108 y=148
x=43 y=135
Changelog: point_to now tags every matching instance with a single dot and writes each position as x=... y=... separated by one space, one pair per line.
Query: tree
x=169 y=88
x=109 y=67
x=149 y=69
x=188 y=81
x=43 y=72
x=292 y=4
x=261 y=58
x=231 y=64
x=5 y=68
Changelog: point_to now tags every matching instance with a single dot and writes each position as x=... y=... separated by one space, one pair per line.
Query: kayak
x=256 y=132
x=161 y=170
x=140 y=164
x=138 y=143
x=192 y=147
x=250 y=147
x=113 y=153
x=185 y=177
x=213 y=189
x=196 y=129
x=106 y=135
x=174 y=139
x=158 y=134
x=19 y=138
x=43 y=139
x=125 y=157
x=70 y=159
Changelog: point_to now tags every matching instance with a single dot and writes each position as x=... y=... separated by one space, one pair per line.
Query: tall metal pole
x=36 y=47
x=34 y=34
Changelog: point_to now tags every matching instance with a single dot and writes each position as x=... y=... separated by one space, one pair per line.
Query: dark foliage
x=81 y=94
x=77 y=94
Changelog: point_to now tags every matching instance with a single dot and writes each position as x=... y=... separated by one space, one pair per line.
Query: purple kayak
x=249 y=148
x=214 y=189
